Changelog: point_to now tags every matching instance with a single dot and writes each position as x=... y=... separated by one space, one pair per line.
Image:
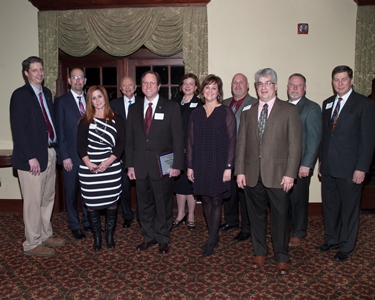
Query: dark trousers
x=341 y=200
x=71 y=187
x=257 y=199
x=235 y=203
x=127 y=211
x=299 y=205
x=155 y=207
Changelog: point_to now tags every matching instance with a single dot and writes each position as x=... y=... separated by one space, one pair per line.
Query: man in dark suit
x=154 y=127
x=34 y=157
x=241 y=101
x=121 y=107
x=268 y=153
x=345 y=156
x=311 y=120
x=69 y=109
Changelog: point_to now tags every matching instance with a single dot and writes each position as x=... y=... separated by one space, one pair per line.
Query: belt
x=52 y=145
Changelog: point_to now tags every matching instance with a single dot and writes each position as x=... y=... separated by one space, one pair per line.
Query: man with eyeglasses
x=34 y=157
x=239 y=102
x=69 y=109
x=154 y=133
x=345 y=155
x=121 y=107
x=268 y=153
x=311 y=120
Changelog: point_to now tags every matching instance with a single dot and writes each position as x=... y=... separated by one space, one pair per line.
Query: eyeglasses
x=148 y=82
x=293 y=86
x=267 y=83
x=76 y=77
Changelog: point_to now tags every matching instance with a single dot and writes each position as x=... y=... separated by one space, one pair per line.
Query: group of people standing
x=246 y=153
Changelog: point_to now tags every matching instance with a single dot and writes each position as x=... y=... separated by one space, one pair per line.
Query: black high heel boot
x=110 y=225
x=96 y=227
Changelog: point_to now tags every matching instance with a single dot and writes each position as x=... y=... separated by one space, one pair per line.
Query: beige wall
x=19 y=39
x=247 y=35
x=244 y=36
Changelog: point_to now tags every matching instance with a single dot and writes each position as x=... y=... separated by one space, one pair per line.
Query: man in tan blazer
x=267 y=161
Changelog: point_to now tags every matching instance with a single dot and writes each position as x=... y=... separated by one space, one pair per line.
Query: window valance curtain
x=365 y=49
x=120 y=32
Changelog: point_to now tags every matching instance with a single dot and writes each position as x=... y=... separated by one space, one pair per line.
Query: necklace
x=102 y=132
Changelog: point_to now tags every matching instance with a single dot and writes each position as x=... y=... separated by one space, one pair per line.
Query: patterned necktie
x=51 y=135
x=81 y=107
x=262 y=121
x=148 y=117
x=335 y=115
x=234 y=106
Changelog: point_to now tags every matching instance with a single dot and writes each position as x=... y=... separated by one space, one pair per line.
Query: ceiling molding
x=43 y=5
x=364 y=2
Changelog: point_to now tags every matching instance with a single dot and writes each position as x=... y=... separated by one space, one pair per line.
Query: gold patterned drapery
x=120 y=32
x=365 y=49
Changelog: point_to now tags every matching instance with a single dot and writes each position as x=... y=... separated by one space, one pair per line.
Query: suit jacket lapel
x=73 y=105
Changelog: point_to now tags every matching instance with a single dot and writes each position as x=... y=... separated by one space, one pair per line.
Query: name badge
x=246 y=107
x=92 y=126
x=193 y=105
x=329 y=105
x=159 y=116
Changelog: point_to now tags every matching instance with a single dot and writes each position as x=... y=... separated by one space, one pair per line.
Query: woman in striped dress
x=101 y=142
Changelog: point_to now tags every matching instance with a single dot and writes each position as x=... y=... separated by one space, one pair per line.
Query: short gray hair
x=265 y=73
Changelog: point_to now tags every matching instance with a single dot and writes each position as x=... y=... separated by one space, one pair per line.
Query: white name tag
x=159 y=116
x=92 y=126
x=192 y=105
x=246 y=107
x=329 y=105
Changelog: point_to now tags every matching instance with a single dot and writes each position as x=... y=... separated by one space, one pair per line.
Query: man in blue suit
x=121 y=107
x=345 y=155
x=69 y=109
x=311 y=120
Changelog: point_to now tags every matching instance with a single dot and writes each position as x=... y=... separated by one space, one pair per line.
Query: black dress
x=182 y=185
x=98 y=141
x=211 y=149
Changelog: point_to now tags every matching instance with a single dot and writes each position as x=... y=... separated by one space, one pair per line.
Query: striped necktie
x=81 y=107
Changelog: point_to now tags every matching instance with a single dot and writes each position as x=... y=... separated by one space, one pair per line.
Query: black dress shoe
x=145 y=245
x=86 y=228
x=163 y=248
x=326 y=247
x=127 y=223
x=242 y=236
x=177 y=223
x=226 y=227
x=78 y=234
x=342 y=256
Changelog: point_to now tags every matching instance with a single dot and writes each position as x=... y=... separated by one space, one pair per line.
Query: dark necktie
x=51 y=135
x=148 y=117
x=81 y=107
x=262 y=121
x=335 y=115
x=234 y=106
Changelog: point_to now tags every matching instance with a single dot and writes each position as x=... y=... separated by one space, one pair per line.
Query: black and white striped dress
x=98 y=141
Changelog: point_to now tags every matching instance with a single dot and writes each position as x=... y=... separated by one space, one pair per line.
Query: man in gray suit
x=311 y=119
x=241 y=101
x=268 y=154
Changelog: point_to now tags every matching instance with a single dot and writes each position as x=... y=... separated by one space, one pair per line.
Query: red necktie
x=335 y=115
x=148 y=117
x=81 y=107
x=51 y=135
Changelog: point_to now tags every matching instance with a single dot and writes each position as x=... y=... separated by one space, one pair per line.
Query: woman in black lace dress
x=210 y=154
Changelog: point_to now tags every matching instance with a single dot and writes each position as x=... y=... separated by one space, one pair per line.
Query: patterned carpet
x=76 y=271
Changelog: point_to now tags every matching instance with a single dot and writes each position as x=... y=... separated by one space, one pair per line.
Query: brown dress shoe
x=258 y=261
x=145 y=245
x=40 y=250
x=283 y=268
x=295 y=241
x=53 y=242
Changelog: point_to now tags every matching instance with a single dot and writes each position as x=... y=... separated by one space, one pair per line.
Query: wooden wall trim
x=44 y=5
x=364 y=2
